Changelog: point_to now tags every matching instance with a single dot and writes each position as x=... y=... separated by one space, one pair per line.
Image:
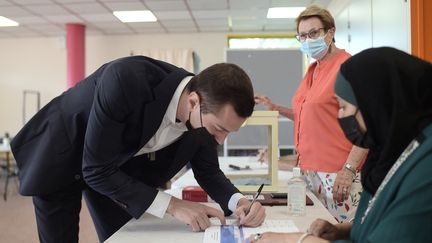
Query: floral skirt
x=321 y=184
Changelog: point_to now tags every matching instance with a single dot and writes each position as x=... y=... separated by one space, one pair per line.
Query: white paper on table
x=240 y=234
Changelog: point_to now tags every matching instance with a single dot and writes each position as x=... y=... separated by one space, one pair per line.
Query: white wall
x=209 y=46
x=40 y=64
x=391 y=23
x=32 y=64
x=361 y=24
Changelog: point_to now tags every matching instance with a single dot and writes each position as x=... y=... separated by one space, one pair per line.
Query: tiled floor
x=17 y=221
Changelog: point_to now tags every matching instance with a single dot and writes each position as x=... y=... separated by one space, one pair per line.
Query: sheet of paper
x=250 y=197
x=233 y=233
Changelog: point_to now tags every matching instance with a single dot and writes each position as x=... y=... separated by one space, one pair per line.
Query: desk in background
x=6 y=150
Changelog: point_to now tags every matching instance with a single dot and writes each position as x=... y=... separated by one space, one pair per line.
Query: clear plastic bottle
x=296 y=194
x=6 y=140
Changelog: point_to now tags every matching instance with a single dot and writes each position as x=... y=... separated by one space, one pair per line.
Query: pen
x=235 y=167
x=255 y=197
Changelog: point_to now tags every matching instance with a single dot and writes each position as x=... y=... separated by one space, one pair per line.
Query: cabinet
x=363 y=24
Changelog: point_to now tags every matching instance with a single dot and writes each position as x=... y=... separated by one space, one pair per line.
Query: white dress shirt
x=168 y=132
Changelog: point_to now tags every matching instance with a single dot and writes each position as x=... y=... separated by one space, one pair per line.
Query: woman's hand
x=265 y=101
x=342 y=186
x=288 y=162
x=323 y=229
x=272 y=237
x=262 y=156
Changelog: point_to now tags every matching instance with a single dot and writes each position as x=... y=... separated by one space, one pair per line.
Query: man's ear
x=193 y=100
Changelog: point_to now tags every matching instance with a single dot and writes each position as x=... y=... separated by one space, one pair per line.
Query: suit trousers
x=57 y=214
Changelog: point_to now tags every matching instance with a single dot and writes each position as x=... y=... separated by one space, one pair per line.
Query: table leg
x=7 y=176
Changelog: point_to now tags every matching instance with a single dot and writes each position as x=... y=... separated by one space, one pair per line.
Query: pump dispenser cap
x=296 y=172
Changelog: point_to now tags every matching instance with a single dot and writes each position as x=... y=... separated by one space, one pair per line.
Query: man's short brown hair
x=221 y=84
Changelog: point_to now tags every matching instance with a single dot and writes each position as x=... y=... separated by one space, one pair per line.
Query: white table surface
x=169 y=229
x=5 y=148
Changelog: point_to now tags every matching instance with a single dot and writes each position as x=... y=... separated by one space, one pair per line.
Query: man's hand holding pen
x=250 y=214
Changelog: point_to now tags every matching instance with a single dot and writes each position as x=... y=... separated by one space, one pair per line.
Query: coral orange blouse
x=320 y=142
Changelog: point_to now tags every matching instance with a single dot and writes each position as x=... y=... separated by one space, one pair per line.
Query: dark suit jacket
x=93 y=130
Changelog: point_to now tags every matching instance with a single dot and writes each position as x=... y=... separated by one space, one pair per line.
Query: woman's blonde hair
x=316 y=11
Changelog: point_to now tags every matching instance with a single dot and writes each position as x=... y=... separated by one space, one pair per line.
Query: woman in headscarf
x=385 y=98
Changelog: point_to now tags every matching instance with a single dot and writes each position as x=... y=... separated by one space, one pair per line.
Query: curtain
x=183 y=58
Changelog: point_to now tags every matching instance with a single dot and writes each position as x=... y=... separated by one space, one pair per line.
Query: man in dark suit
x=123 y=132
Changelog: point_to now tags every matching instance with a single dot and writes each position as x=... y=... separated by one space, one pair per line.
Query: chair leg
x=8 y=174
x=6 y=185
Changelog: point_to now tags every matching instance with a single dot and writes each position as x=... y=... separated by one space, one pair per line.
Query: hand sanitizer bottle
x=6 y=140
x=296 y=194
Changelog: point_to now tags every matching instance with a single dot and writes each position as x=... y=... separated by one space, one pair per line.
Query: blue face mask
x=315 y=48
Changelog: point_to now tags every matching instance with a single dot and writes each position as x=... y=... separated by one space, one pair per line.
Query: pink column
x=75 y=45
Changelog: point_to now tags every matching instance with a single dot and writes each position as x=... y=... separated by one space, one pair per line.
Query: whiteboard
x=275 y=73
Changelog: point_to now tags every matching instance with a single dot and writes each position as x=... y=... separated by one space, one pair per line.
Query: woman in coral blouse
x=329 y=161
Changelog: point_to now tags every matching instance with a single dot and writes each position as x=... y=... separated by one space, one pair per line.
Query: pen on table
x=235 y=167
x=255 y=197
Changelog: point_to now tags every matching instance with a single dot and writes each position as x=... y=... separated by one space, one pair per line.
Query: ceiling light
x=284 y=12
x=5 y=22
x=135 y=16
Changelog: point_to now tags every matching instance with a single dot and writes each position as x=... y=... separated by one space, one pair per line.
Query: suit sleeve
x=209 y=176
x=117 y=92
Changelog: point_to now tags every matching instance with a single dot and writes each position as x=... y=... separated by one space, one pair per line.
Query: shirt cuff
x=159 y=205
x=235 y=198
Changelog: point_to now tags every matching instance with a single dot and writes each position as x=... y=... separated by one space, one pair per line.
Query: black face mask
x=353 y=133
x=201 y=134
